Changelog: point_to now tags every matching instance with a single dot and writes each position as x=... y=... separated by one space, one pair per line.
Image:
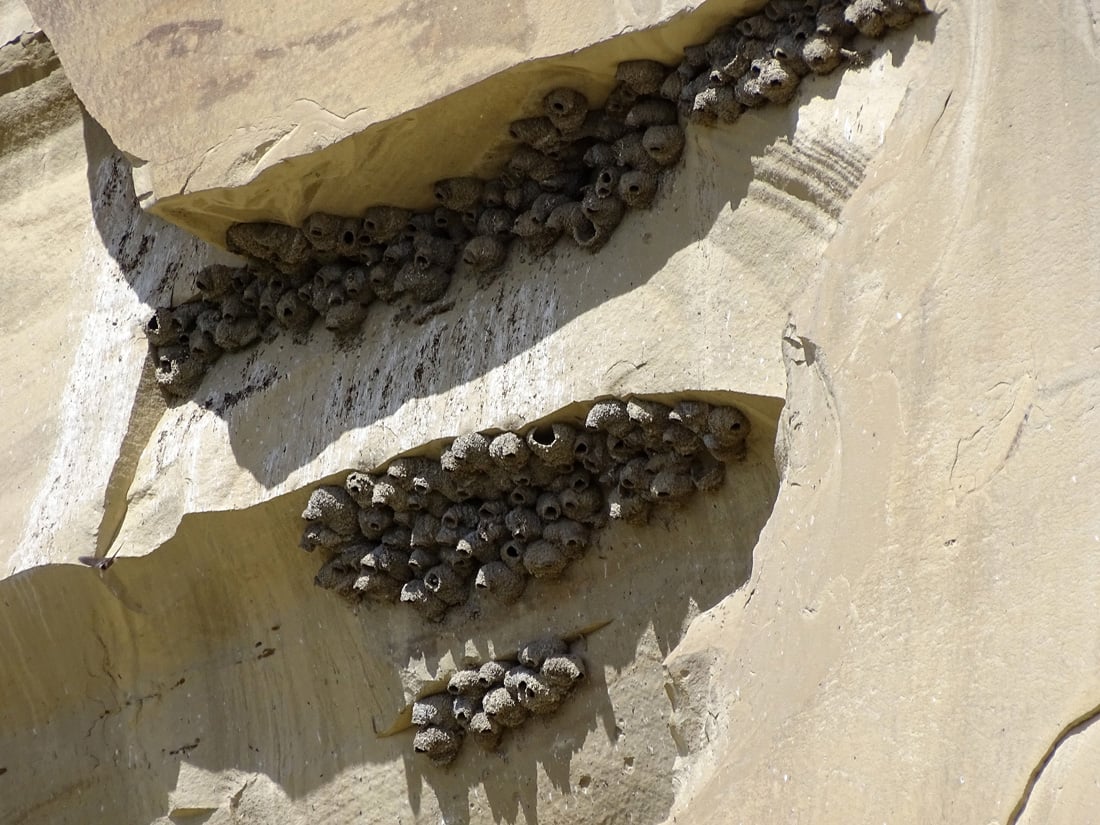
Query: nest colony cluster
x=483 y=701
x=574 y=174
x=495 y=510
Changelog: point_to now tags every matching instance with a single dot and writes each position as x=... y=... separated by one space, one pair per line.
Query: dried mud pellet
x=485 y=731
x=384 y=223
x=446 y=583
x=758 y=27
x=566 y=108
x=496 y=221
x=523 y=523
x=509 y=451
x=484 y=253
x=334 y=507
x=651 y=112
x=502 y=708
x=465 y=707
x=536 y=651
x=491 y=674
x=422 y=559
x=458 y=193
x=822 y=53
x=214 y=281
x=664 y=143
x=637 y=189
x=430 y=606
x=434 y=709
x=609 y=417
x=544 y=560
x=585 y=506
x=707 y=473
x=548 y=507
x=392 y=561
x=673 y=85
x=716 y=104
x=670 y=486
x=506 y=584
x=377 y=586
x=465 y=683
x=431 y=251
x=563 y=670
x=552 y=444
x=511 y=554
x=374 y=520
x=532 y=691
x=628 y=507
x=321 y=230
x=441 y=745
x=570 y=535
x=631 y=152
x=644 y=77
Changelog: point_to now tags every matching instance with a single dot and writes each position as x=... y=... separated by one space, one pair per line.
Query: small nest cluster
x=494 y=511
x=574 y=174
x=761 y=59
x=482 y=702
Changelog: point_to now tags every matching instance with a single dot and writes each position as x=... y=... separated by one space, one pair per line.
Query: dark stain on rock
x=181 y=38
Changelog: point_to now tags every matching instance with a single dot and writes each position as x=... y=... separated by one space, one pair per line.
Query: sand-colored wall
x=888 y=617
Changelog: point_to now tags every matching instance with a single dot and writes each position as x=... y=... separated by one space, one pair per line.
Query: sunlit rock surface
x=888 y=613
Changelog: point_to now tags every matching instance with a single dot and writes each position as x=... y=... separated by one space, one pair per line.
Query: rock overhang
x=259 y=132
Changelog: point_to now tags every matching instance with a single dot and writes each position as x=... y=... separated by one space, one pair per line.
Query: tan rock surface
x=912 y=637
x=44 y=205
x=928 y=625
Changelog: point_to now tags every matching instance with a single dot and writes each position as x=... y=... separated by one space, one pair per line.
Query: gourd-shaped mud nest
x=494 y=511
x=482 y=702
x=575 y=172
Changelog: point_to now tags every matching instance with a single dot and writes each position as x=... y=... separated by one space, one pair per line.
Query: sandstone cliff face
x=888 y=611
